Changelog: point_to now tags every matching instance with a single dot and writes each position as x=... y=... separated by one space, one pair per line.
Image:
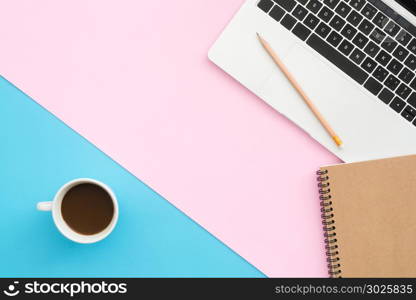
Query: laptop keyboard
x=365 y=39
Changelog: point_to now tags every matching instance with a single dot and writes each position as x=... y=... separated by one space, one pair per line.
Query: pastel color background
x=152 y=239
x=133 y=78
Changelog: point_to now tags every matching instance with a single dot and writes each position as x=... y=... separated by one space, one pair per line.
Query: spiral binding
x=327 y=215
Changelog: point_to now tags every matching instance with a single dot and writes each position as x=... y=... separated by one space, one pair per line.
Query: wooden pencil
x=301 y=92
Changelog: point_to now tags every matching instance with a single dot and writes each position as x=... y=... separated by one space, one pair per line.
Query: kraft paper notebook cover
x=369 y=217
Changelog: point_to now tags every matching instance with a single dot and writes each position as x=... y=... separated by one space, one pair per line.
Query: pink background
x=133 y=77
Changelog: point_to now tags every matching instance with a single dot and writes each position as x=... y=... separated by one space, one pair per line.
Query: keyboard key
x=409 y=113
x=392 y=82
x=403 y=91
x=413 y=84
x=357 y=4
x=389 y=44
x=300 y=12
x=331 y=3
x=366 y=27
x=313 y=5
x=412 y=100
x=301 y=31
x=311 y=21
x=337 y=23
x=410 y=62
x=348 y=31
x=373 y=86
x=380 y=73
x=371 y=49
x=277 y=13
x=400 y=53
x=369 y=65
x=392 y=28
x=383 y=58
x=288 y=21
x=369 y=11
x=323 y=30
x=412 y=46
x=380 y=20
x=410 y=110
x=360 y=40
x=394 y=67
x=397 y=104
x=302 y=1
x=346 y=47
x=357 y=56
x=265 y=5
x=289 y=5
x=354 y=18
x=403 y=37
x=386 y=96
x=334 y=39
x=326 y=14
x=343 y=9
x=339 y=60
x=377 y=35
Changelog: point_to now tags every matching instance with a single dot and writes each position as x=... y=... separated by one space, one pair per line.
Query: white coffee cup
x=63 y=227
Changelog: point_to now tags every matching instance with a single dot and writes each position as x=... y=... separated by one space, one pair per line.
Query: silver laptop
x=356 y=59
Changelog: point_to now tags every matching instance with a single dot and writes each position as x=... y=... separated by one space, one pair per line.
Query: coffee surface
x=87 y=208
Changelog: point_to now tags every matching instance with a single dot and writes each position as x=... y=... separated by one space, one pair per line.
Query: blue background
x=38 y=154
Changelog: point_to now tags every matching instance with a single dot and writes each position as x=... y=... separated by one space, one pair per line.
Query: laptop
x=356 y=59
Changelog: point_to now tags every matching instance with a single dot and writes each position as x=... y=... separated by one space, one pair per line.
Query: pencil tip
x=338 y=141
x=258 y=35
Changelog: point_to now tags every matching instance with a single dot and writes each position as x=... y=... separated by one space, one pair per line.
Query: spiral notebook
x=369 y=217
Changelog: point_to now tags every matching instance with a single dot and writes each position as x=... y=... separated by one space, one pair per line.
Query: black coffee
x=87 y=208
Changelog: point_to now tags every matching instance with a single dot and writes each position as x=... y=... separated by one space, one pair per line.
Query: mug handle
x=44 y=206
